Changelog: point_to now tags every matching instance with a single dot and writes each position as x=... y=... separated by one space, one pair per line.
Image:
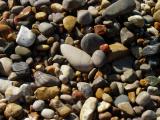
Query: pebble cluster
x=79 y=60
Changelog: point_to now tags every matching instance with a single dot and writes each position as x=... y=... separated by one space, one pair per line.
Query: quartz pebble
x=5 y=66
x=25 y=37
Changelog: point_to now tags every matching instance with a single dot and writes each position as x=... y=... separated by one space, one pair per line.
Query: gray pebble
x=46 y=28
x=98 y=58
x=84 y=17
x=91 y=39
x=71 y=4
x=127 y=37
x=85 y=88
x=148 y=115
x=75 y=60
x=38 y=105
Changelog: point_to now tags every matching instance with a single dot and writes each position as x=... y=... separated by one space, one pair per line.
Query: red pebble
x=104 y=48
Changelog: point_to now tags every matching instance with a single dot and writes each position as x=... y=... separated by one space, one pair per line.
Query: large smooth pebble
x=38 y=105
x=77 y=58
x=88 y=109
x=25 y=37
x=91 y=42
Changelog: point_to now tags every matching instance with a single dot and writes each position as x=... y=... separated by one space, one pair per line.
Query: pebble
x=38 y=105
x=45 y=93
x=129 y=76
x=148 y=115
x=43 y=79
x=71 y=4
x=85 y=88
x=25 y=37
x=21 y=69
x=99 y=82
x=3 y=5
x=13 y=93
x=69 y=22
x=75 y=60
x=117 y=51
x=88 y=109
x=47 y=113
x=127 y=37
x=100 y=29
x=4 y=84
x=126 y=107
x=46 y=28
x=152 y=80
x=103 y=106
x=120 y=7
x=40 y=16
x=143 y=98
x=67 y=71
x=152 y=90
x=156 y=16
x=137 y=51
x=98 y=58
x=151 y=50
x=91 y=39
x=13 y=110
x=22 y=51
x=137 y=20
x=5 y=66
x=107 y=98
x=120 y=99
x=62 y=109
x=2 y=107
x=93 y=11
x=56 y=7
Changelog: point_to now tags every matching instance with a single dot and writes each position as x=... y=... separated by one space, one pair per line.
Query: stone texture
x=5 y=66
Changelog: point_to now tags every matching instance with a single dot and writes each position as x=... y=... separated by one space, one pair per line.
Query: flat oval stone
x=119 y=8
x=23 y=51
x=75 y=59
x=47 y=113
x=25 y=37
x=91 y=42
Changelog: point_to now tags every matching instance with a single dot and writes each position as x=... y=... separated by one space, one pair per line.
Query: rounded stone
x=5 y=66
x=148 y=115
x=40 y=15
x=13 y=110
x=75 y=59
x=91 y=39
x=25 y=37
x=98 y=58
x=47 y=113
x=156 y=16
x=46 y=28
x=88 y=109
x=22 y=51
x=137 y=20
x=84 y=17
x=69 y=22
x=143 y=98
x=38 y=105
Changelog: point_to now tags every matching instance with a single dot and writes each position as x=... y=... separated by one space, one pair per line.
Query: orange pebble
x=104 y=48
x=157 y=25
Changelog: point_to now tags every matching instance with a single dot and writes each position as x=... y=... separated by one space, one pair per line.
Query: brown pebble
x=99 y=93
x=41 y=16
x=132 y=96
x=144 y=83
x=100 y=29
